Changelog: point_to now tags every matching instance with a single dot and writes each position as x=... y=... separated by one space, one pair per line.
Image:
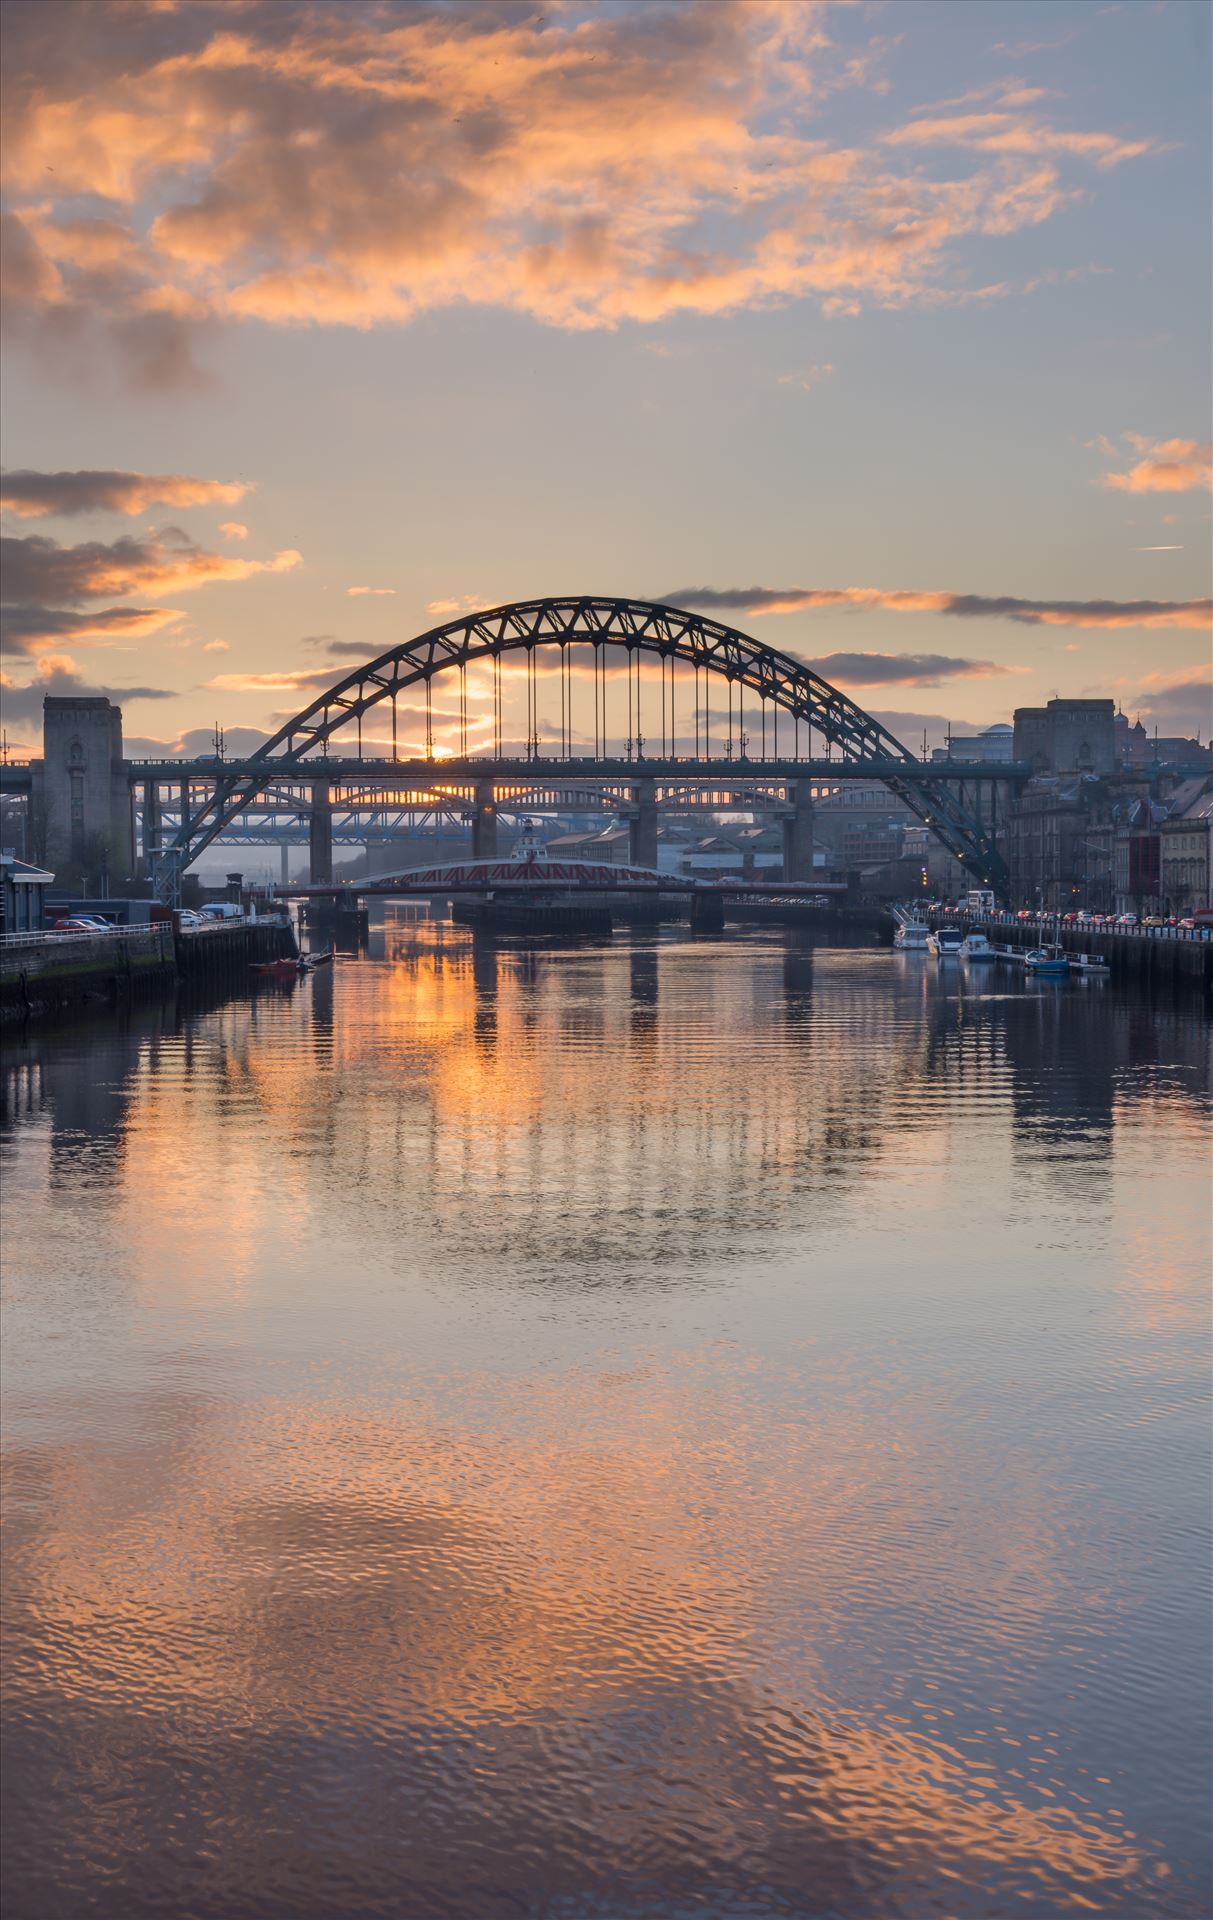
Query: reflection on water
x=662 y=1428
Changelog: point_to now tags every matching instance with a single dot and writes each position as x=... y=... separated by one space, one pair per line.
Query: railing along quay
x=44 y=974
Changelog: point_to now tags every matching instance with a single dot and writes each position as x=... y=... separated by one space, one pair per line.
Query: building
x=1049 y=841
x=1185 y=850
x=22 y=895
x=1137 y=748
x=992 y=747
x=933 y=873
x=741 y=849
x=1067 y=736
x=608 y=846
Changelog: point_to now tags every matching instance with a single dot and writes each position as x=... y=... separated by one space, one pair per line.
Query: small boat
x=281 y=969
x=911 y=937
x=975 y=946
x=946 y=942
x=1050 y=962
x=321 y=959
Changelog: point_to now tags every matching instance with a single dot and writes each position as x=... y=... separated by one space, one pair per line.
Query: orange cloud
x=34 y=496
x=1167 y=466
x=1015 y=133
x=1196 y=614
x=371 y=593
x=40 y=569
x=233 y=530
x=31 y=629
x=551 y=168
x=284 y=682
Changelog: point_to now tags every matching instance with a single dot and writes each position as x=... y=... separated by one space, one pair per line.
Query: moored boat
x=946 y=942
x=911 y=937
x=1048 y=961
x=975 y=946
x=282 y=969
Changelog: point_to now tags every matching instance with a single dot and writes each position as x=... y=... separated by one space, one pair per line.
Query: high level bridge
x=768 y=734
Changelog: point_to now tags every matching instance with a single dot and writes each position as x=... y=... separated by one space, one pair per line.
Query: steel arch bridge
x=638 y=627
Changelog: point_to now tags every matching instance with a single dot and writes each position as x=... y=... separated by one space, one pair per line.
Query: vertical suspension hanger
x=673 y=730
x=639 y=723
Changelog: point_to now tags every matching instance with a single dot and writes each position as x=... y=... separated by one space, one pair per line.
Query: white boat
x=946 y=942
x=911 y=937
x=975 y=946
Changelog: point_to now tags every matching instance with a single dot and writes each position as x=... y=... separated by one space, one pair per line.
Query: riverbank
x=1138 y=955
x=47 y=976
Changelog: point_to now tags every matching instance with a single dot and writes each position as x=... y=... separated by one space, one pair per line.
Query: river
x=674 y=1427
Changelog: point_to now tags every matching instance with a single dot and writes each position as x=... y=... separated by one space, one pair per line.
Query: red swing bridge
x=555 y=884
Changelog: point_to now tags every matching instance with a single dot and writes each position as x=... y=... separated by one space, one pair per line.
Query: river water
x=679 y=1427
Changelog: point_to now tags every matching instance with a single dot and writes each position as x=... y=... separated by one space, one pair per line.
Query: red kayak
x=281 y=969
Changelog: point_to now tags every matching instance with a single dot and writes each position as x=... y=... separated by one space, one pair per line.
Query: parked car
x=1189 y=923
x=222 y=910
x=82 y=923
x=1025 y=913
x=1126 y=919
x=1153 y=920
x=1085 y=919
x=187 y=918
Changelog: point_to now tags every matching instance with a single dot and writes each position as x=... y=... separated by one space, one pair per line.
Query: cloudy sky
x=880 y=331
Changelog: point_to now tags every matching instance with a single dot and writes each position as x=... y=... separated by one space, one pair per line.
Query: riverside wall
x=60 y=974
x=1149 y=958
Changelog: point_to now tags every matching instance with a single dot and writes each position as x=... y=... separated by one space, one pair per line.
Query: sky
x=878 y=331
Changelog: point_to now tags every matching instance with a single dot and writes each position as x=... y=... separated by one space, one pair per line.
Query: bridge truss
x=779 y=684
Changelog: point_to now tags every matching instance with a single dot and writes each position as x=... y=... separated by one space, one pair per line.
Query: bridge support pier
x=707 y=913
x=798 y=832
x=151 y=827
x=484 y=822
x=642 y=827
x=320 y=835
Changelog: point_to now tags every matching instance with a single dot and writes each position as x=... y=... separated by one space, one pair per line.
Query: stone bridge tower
x=85 y=795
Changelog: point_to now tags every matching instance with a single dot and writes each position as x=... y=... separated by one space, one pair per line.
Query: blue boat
x=1050 y=962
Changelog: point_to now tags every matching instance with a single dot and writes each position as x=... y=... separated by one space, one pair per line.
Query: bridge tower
x=87 y=800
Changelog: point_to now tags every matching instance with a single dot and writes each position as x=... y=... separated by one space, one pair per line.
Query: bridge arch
x=598 y=621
